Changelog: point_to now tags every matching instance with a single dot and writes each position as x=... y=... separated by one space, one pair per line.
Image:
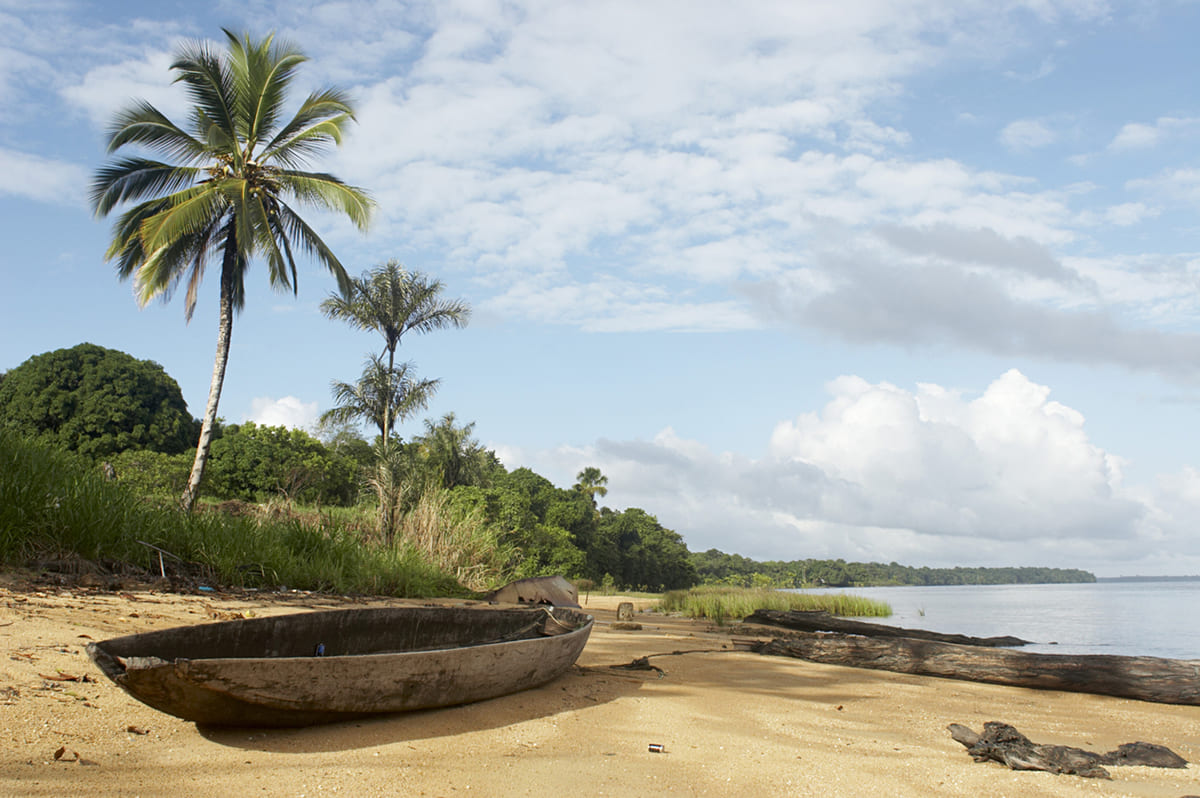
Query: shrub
x=97 y=402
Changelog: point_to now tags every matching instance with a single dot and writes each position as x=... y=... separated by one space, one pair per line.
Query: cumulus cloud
x=103 y=57
x=1179 y=184
x=105 y=89
x=704 y=149
x=931 y=461
x=1128 y=213
x=42 y=179
x=1140 y=136
x=639 y=169
x=1026 y=134
x=924 y=476
x=287 y=411
x=1135 y=136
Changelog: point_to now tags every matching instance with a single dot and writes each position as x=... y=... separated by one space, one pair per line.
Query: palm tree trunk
x=387 y=499
x=224 y=333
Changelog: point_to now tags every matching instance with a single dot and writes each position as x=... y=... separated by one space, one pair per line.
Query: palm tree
x=451 y=456
x=225 y=187
x=382 y=396
x=394 y=301
x=591 y=482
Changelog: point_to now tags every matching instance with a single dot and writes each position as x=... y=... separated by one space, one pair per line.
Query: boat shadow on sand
x=577 y=690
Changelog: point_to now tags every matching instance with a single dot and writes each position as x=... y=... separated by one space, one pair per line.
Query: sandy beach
x=731 y=723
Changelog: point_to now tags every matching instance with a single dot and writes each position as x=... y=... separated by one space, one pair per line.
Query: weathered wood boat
x=320 y=667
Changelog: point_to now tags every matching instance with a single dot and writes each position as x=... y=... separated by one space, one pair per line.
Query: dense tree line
x=129 y=414
x=717 y=566
x=559 y=530
x=117 y=411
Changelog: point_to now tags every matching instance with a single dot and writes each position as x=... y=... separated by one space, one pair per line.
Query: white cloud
x=1043 y=70
x=1139 y=136
x=285 y=412
x=105 y=89
x=42 y=179
x=644 y=169
x=1180 y=184
x=928 y=476
x=1135 y=136
x=1026 y=134
x=1128 y=213
x=1009 y=462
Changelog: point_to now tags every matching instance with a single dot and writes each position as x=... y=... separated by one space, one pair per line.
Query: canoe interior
x=265 y=671
x=341 y=632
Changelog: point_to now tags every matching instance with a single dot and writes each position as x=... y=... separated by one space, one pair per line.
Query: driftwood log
x=1004 y=744
x=1165 y=681
x=819 y=621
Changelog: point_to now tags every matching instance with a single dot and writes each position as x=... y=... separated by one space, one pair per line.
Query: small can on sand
x=657 y=748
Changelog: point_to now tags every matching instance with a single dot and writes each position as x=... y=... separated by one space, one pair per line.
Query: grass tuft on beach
x=720 y=603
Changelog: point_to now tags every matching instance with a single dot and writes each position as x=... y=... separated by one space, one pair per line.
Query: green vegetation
x=227 y=190
x=392 y=302
x=720 y=603
x=97 y=402
x=453 y=506
x=255 y=463
x=435 y=514
x=224 y=192
x=55 y=505
x=715 y=566
x=591 y=482
x=146 y=473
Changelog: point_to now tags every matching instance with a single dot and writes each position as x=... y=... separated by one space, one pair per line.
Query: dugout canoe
x=321 y=667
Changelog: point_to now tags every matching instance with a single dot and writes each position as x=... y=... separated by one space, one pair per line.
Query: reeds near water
x=721 y=603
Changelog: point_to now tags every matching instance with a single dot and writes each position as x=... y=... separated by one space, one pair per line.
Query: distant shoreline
x=1193 y=578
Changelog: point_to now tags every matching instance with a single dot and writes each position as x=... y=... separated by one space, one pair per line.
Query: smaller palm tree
x=451 y=456
x=591 y=483
x=382 y=395
x=394 y=302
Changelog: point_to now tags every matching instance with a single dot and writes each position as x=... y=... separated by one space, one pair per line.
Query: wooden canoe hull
x=263 y=671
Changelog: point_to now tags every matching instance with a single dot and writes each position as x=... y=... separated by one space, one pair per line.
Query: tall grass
x=721 y=602
x=53 y=505
x=459 y=543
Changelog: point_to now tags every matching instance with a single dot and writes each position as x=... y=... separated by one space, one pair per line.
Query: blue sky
x=910 y=281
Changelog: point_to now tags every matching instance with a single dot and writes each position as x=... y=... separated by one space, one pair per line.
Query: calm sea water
x=1156 y=619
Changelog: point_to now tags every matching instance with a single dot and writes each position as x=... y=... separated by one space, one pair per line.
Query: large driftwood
x=1004 y=744
x=1165 y=681
x=818 y=621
